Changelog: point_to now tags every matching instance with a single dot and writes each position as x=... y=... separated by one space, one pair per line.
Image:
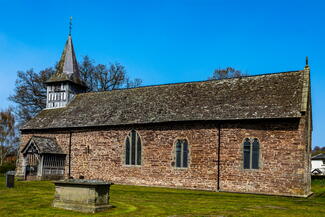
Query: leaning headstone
x=10 y=179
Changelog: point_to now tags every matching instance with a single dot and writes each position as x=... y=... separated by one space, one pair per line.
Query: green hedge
x=7 y=167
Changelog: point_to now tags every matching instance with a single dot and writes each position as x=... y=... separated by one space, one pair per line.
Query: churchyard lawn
x=34 y=198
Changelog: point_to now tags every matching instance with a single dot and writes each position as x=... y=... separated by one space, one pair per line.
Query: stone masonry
x=283 y=154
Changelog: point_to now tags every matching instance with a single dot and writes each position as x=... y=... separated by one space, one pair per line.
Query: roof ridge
x=190 y=82
x=270 y=96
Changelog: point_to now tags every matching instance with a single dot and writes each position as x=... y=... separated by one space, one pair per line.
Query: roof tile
x=256 y=97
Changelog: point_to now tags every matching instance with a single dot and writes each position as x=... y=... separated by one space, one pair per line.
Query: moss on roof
x=257 y=97
x=44 y=145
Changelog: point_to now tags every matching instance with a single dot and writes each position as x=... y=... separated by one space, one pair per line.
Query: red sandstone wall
x=106 y=157
x=283 y=156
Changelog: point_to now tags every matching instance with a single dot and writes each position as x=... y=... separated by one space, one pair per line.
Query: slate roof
x=67 y=69
x=44 y=145
x=277 y=95
x=319 y=157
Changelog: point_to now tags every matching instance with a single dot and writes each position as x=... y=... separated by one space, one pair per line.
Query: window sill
x=128 y=165
x=251 y=170
x=181 y=168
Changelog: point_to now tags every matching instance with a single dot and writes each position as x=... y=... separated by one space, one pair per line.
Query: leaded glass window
x=133 y=149
x=251 y=153
x=247 y=153
x=181 y=153
x=255 y=153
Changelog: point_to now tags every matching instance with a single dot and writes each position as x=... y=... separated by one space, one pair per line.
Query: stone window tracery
x=133 y=149
x=251 y=153
x=181 y=153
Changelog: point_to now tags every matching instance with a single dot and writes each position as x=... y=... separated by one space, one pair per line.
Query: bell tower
x=66 y=82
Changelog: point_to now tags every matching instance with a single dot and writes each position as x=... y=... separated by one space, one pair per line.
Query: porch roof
x=44 y=145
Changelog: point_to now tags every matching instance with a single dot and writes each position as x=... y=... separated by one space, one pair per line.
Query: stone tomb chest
x=82 y=195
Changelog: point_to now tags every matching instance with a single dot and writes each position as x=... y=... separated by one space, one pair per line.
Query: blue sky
x=169 y=41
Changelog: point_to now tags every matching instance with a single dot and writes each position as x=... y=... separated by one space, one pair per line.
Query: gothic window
x=181 y=153
x=251 y=153
x=133 y=149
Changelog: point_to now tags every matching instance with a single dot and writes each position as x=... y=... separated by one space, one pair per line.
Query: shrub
x=7 y=167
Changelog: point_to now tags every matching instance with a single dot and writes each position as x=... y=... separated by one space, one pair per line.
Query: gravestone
x=10 y=179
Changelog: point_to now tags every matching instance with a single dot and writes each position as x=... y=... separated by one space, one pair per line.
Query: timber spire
x=65 y=83
x=68 y=62
x=67 y=68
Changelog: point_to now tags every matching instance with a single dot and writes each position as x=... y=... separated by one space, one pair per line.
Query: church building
x=249 y=134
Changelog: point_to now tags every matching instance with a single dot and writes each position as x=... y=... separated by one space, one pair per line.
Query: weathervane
x=70 y=26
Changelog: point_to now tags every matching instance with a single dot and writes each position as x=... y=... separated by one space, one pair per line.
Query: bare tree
x=110 y=79
x=135 y=83
x=8 y=134
x=228 y=72
x=87 y=73
x=30 y=91
x=114 y=77
x=102 y=77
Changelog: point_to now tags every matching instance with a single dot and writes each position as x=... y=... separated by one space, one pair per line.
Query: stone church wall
x=283 y=158
x=282 y=166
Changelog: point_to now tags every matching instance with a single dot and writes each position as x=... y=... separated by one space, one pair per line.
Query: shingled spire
x=67 y=69
x=66 y=81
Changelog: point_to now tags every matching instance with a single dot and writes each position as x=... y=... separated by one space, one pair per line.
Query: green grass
x=34 y=198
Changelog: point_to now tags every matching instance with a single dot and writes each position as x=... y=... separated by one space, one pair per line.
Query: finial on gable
x=70 y=26
x=307 y=66
x=306 y=88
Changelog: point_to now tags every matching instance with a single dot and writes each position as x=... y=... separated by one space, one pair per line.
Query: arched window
x=181 y=153
x=251 y=153
x=133 y=149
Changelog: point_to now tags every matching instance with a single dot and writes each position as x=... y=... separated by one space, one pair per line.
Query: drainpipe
x=70 y=155
x=218 y=152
